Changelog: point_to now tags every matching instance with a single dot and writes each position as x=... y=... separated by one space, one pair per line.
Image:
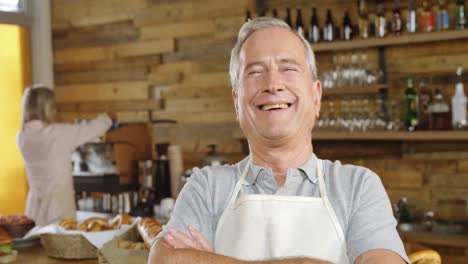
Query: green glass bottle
x=460 y=15
x=410 y=102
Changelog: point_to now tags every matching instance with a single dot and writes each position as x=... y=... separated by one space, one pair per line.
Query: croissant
x=148 y=228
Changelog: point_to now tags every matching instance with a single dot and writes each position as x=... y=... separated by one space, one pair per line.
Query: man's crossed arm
x=179 y=248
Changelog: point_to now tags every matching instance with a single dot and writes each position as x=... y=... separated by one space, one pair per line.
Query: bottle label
x=300 y=30
x=411 y=22
x=347 y=33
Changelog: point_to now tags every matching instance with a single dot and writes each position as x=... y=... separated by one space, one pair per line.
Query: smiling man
x=281 y=204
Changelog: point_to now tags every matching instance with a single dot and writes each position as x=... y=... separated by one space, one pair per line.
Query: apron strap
x=323 y=193
x=239 y=184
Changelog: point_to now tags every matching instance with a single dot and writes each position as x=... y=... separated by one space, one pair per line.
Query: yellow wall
x=14 y=76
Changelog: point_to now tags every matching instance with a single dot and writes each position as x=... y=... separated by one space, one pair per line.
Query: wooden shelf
x=392 y=136
x=371 y=89
x=390 y=40
x=381 y=136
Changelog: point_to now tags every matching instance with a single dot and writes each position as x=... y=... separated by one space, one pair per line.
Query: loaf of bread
x=94 y=224
x=121 y=219
x=68 y=223
x=427 y=256
x=148 y=228
x=126 y=244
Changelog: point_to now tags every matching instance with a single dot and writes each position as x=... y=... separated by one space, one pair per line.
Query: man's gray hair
x=260 y=23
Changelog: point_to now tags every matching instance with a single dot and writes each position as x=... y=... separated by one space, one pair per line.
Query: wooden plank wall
x=160 y=59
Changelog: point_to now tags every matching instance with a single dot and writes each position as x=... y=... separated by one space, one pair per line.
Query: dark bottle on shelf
x=248 y=16
x=442 y=16
x=411 y=17
x=427 y=18
x=347 y=31
x=299 y=24
x=328 y=28
x=397 y=23
x=424 y=100
x=314 y=29
x=440 y=117
x=460 y=15
x=404 y=215
x=410 y=104
x=274 y=13
x=288 y=17
x=380 y=21
x=363 y=24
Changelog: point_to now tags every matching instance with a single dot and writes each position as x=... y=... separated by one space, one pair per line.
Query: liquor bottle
x=410 y=103
x=396 y=18
x=404 y=215
x=314 y=29
x=274 y=13
x=248 y=16
x=427 y=18
x=411 y=22
x=299 y=24
x=439 y=113
x=460 y=16
x=328 y=29
x=380 y=22
x=424 y=100
x=443 y=18
x=347 y=27
x=363 y=23
x=288 y=17
x=459 y=103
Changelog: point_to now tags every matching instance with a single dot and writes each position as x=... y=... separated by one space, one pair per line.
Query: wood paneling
x=109 y=106
x=123 y=117
x=99 y=76
x=102 y=92
x=82 y=54
x=190 y=10
x=144 y=48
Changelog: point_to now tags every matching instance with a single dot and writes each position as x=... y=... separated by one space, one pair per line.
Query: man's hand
x=196 y=240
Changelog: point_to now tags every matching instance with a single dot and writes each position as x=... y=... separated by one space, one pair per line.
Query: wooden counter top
x=37 y=255
x=436 y=239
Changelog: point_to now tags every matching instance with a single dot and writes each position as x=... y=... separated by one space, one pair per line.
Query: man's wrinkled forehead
x=284 y=53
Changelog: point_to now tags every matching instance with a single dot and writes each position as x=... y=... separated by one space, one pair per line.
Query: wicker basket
x=110 y=253
x=68 y=246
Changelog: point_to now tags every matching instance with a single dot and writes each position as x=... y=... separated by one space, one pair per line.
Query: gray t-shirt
x=356 y=194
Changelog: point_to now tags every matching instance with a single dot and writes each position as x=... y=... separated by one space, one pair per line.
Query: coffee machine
x=154 y=181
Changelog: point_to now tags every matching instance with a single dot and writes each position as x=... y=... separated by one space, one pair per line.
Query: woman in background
x=46 y=147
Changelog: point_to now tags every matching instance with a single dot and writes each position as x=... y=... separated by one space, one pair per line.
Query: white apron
x=260 y=227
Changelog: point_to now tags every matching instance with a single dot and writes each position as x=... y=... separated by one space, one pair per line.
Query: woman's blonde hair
x=38 y=103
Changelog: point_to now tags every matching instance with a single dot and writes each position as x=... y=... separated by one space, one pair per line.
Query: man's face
x=276 y=97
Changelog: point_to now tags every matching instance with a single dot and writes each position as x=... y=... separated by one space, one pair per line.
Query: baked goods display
x=427 y=256
x=15 y=220
x=148 y=228
x=16 y=225
x=68 y=224
x=95 y=224
x=121 y=219
x=130 y=245
x=7 y=254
